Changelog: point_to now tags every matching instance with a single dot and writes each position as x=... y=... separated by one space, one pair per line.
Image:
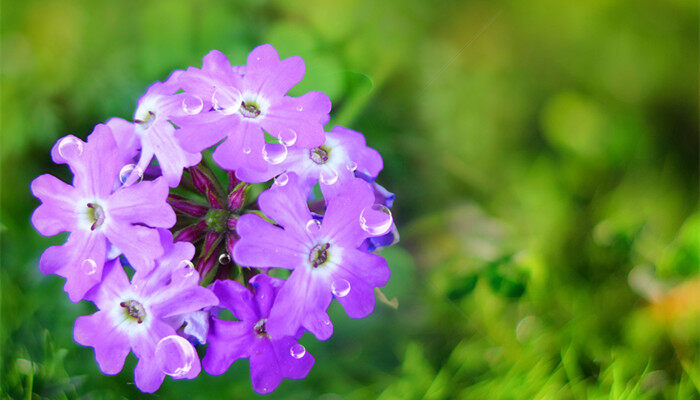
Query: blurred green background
x=544 y=154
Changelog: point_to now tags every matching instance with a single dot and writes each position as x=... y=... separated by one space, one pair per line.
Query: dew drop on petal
x=70 y=148
x=313 y=226
x=274 y=153
x=328 y=176
x=187 y=268
x=226 y=100
x=175 y=356
x=127 y=171
x=340 y=287
x=224 y=259
x=246 y=150
x=297 y=351
x=376 y=220
x=351 y=166
x=192 y=104
x=282 y=179
x=300 y=108
x=89 y=266
x=287 y=137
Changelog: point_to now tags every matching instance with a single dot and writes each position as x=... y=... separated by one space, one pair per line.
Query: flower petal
x=342 y=218
x=142 y=203
x=125 y=137
x=216 y=71
x=273 y=77
x=264 y=245
x=111 y=345
x=265 y=371
x=368 y=160
x=144 y=342
x=197 y=325
x=57 y=213
x=242 y=148
x=236 y=298
x=228 y=342
x=172 y=159
x=147 y=375
x=294 y=157
x=140 y=245
x=182 y=295
x=362 y=272
x=302 y=301
x=201 y=131
x=286 y=205
x=97 y=168
x=306 y=115
x=265 y=288
x=79 y=260
x=114 y=283
x=290 y=366
x=175 y=255
x=359 y=301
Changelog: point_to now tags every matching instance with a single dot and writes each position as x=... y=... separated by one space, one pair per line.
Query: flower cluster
x=163 y=242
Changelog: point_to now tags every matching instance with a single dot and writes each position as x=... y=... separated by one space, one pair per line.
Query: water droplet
x=524 y=329
x=351 y=166
x=313 y=226
x=274 y=153
x=226 y=100
x=287 y=137
x=187 y=268
x=89 y=266
x=340 y=288
x=376 y=220
x=175 y=356
x=328 y=176
x=224 y=259
x=246 y=150
x=192 y=104
x=127 y=171
x=297 y=351
x=300 y=108
x=70 y=148
x=282 y=179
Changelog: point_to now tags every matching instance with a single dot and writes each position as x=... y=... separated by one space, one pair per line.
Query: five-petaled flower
x=154 y=134
x=246 y=104
x=323 y=255
x=98 y=212
x=270 y=359
x=138 y=316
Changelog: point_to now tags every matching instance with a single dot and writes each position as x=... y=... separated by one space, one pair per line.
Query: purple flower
x=248 y=101
x=142 y=317
x=333 y=164
x=324 y=256
x=154 y=134
x=98 y=213
x=271 y=359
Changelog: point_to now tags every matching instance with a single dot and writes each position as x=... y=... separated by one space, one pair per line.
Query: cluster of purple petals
x=322 y=217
